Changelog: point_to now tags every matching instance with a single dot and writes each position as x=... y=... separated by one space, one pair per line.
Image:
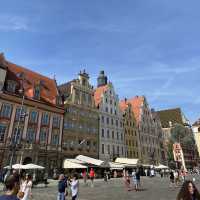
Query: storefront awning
x=67 y=164
x=89 y=160
x=116 y=166
x=127 y=161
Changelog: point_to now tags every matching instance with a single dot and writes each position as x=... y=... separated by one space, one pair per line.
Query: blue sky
x=146 y=47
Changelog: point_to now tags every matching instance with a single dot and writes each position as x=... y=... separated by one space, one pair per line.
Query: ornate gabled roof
x=136 y=103
x=123 y=105
x=98 y=94
x=48 y=86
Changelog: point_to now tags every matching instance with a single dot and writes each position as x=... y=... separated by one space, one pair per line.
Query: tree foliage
x=182 y=135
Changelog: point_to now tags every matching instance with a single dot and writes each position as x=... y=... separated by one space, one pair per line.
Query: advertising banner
x=178 y=156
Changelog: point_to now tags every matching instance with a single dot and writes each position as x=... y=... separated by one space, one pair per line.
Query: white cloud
x=189 y=66
x=13 y=23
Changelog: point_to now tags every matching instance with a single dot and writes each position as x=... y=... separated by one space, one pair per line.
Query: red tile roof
x=98 y=93
x=48 y=92
x=136 y=103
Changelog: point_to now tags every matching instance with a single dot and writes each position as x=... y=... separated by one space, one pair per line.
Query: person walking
x=188 y=191
x=61 y=187
x=92 y=177
x=12 y=186
x=138 y=179
x=135 y=183
x=74 y=186
x=171 y=178
x=127 y=181
x=84 y=175
x=26 y=186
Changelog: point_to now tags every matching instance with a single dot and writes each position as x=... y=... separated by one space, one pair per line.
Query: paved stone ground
x=152 y=189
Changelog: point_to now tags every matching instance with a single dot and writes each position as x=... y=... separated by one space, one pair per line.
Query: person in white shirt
x=74 y=186
x=26 y=186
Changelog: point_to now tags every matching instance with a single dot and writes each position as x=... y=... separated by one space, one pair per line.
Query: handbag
x=20 y=194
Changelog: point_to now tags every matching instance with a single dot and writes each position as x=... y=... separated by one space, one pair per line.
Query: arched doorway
x=27 y=160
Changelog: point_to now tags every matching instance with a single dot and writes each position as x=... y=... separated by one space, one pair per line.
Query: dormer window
x=37 y=92
x=11 y=86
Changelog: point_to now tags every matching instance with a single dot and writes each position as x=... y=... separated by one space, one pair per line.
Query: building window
x=43 y=135
x=121 y=136
x=11 y=86
x=107 y=120
x=6 y=110
x=33 y=116
x=102 y=119
x=116 y=122
x=112 y=122
x=108 y=149
x=17 y=133
x=106 y=109
x=2 y=132
x=102 y=133
x=84 y=97
x=118 y=150
x=113 y=134
x=108 y=134
x=106 y=100
x=117 y=136
x=102 y=148
x=37 y=92
x=111 y=111
x=31 y=133
x=19 y=111
x=45 y=119
x=55 y=139
x=110 y=102
x=122 y=151
x=113 y=150
x=56 y=121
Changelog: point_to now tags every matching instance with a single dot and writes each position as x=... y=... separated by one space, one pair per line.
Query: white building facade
x=111 y=132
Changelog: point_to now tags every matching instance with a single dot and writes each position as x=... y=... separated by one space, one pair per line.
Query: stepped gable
x=123 y=104
x=98 y=94
x=136 y=103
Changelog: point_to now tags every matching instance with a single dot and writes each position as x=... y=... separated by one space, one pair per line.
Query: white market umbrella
x=161 y=167
x=33 y=166
x=15 y=166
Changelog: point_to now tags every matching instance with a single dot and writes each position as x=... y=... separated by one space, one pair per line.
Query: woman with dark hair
x=12 y=188
x=188 y=192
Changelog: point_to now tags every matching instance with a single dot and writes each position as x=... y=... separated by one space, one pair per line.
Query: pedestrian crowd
x=19 y=187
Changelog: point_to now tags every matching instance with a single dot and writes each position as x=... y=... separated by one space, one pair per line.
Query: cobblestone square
x=152 y=189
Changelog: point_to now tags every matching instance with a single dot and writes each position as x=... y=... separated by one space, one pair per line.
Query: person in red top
x=92 y=177
x=84 y=174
